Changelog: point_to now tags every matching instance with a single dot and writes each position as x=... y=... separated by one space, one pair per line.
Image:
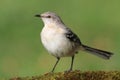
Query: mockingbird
x=60 y=41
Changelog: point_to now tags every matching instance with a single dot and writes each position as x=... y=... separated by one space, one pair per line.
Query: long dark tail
x=100 y=53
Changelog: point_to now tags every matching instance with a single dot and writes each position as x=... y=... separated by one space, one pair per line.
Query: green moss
x=76 y=75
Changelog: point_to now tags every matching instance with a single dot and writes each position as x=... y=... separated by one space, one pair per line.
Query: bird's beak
x=37 y=15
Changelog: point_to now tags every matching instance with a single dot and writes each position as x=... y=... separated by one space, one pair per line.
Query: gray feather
x=101 y=53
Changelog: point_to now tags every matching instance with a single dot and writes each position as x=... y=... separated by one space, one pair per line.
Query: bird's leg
x=55 y=64
x=71 y=63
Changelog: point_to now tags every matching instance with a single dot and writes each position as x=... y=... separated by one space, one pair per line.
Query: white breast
x=55 y=41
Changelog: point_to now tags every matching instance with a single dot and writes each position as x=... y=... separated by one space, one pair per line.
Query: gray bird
x=60 y=41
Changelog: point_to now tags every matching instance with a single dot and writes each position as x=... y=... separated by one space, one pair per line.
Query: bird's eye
x=49 y=16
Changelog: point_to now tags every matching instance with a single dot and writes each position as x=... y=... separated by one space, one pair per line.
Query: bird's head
x=49 y=17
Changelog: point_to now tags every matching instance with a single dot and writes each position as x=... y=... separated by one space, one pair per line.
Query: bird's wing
x=72 y=37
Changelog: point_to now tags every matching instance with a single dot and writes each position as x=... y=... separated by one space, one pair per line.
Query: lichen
x=75 y=75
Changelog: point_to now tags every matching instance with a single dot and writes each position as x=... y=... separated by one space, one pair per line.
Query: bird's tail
x=97 y=52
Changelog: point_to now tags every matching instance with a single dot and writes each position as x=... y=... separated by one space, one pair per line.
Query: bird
x=60 y=41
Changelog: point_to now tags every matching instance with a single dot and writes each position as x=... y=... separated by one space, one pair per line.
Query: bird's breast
x=55 y=41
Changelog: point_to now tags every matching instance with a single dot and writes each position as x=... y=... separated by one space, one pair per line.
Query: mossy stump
x=76 y=75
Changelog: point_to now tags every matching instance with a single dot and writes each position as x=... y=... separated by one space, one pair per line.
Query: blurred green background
x=96 y=22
